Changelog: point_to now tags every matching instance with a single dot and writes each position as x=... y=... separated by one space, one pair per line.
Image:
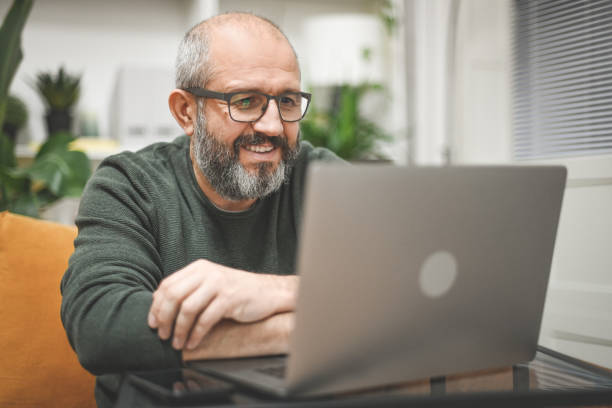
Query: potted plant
x=60 y=92
x=56 y=171
x=342 y=128
x=15 y=117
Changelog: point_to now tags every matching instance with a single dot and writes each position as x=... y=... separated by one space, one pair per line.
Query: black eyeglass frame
x=227 y=97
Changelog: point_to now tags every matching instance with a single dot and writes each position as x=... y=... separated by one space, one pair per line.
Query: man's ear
x=184 y=108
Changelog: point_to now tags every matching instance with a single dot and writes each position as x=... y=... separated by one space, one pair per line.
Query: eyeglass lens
x=250 y=106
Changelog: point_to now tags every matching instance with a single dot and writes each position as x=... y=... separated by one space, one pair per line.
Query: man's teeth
x=259 y=148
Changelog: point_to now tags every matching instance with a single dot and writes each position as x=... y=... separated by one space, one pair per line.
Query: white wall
x=462 y=81
x=480 y=114
x=431 y=68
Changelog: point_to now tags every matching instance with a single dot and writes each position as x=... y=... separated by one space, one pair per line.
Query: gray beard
x=221 y=165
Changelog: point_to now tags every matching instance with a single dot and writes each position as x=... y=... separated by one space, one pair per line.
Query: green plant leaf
x=80 y=171
x=62 y=171
x=10 y=48
x=25 y=204
x=58 y=141
x=48 y=171
x=343 y=129
x=45 y=197
x=7 y=152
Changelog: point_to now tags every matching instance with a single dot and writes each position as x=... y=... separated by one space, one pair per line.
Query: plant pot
x=58 y=121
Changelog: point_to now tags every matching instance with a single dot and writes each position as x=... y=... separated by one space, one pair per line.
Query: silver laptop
x=409 y=273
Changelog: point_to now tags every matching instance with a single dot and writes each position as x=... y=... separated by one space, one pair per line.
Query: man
x=186 y=250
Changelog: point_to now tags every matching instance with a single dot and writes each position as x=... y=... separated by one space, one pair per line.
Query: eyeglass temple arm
x=207 y=94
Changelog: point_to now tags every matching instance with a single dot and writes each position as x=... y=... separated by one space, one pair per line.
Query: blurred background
x=412 y=82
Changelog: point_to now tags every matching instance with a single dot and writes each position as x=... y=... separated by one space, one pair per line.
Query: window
x=562 y=78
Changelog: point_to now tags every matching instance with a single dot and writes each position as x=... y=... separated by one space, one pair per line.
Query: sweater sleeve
x=107 y=288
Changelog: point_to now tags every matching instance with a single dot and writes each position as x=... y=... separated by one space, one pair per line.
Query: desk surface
x=550 y=379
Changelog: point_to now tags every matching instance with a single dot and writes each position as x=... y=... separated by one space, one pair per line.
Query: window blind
x=562 y=88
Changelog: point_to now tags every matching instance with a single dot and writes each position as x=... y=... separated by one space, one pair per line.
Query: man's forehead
x=236 y=32
x=236 y=47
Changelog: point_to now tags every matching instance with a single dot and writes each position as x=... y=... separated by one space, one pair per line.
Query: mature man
x=186 y=249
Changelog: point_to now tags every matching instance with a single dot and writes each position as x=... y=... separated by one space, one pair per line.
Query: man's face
x=247 y=160
x=220 y=163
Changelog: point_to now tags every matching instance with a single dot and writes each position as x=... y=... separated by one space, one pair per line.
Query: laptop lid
x=408 y=273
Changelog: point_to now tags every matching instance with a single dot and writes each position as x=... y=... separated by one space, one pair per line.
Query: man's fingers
x=167 y=300
x=189 y=311
x=151 y=320
x=177 y=277
x=211 y=316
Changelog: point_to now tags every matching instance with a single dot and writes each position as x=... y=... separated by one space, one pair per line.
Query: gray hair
x=193 y=68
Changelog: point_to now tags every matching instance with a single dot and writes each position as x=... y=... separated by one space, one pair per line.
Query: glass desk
x=551 y=379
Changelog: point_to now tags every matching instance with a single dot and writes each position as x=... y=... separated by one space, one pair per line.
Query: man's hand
x=198 y=296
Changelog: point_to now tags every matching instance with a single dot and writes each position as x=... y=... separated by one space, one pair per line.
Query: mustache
x=258 y=139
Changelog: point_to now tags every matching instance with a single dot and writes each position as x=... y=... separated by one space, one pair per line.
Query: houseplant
x=56 y=170
x=342 y=128
x=60 y=92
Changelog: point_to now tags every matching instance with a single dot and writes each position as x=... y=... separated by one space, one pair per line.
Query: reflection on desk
x=550 y=379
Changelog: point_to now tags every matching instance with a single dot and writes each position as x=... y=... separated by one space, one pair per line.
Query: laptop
x=410 y=273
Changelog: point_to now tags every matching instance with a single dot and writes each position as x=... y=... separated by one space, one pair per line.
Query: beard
x=221 y=165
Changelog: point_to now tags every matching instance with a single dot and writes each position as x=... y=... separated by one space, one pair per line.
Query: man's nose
x=270 y=123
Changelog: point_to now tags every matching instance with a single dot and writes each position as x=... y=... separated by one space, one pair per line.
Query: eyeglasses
x=250 y=106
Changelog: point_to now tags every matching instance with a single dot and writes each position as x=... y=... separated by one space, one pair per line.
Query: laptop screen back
x=408 y=273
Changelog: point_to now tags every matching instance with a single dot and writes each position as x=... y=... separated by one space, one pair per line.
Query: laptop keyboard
x=273 y=371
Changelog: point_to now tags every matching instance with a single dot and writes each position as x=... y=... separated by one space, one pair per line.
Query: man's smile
x=260 y=148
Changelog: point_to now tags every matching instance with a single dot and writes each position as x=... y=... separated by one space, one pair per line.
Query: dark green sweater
x=143 y=217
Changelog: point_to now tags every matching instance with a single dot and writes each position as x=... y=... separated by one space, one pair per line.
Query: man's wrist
x=230 y=339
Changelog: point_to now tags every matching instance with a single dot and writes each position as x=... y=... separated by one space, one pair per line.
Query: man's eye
x=288 y=100
x=243 y=103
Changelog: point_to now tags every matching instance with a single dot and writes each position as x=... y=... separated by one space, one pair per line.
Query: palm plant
x=60 y=92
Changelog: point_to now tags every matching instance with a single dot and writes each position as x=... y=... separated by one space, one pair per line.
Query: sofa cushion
x=38 y=367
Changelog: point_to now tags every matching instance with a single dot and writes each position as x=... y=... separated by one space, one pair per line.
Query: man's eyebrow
x=234 y=89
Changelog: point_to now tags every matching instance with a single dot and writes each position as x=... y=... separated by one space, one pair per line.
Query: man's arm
x=107 y=288
x=229 y=339
x=191 y=301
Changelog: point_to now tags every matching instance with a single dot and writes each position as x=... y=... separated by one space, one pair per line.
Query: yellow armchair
x=38 y=367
